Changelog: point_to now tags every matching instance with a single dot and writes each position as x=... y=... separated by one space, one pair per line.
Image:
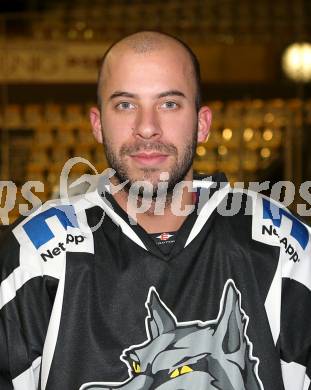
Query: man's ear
x=96 y=124
x=205 y=120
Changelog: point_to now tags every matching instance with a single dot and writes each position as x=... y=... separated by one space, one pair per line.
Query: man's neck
x=165 y=214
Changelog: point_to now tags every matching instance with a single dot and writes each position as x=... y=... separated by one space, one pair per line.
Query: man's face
x=148 y=115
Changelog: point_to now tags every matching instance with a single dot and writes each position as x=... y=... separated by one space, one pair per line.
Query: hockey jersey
x=89 y=301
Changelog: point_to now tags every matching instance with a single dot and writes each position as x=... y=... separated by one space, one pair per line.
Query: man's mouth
x=151 y=158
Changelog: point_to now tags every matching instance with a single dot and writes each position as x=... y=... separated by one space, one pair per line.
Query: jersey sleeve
x=288 y=302
x=295 y=335
x=295 y=323
x=26 y=301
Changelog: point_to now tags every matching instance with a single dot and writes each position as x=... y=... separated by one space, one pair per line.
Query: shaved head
x=145 y=42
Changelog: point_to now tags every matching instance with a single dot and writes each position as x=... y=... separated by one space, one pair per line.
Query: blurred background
x=256 y=68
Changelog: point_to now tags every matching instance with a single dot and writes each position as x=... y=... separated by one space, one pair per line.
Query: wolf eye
x=180 y=371
x=136 y=368
x=185 y=370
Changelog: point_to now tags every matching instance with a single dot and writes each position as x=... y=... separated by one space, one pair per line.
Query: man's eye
x=125 y=106
x=169 y=105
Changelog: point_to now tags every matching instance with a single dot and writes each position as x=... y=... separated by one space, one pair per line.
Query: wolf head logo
x=191 y=355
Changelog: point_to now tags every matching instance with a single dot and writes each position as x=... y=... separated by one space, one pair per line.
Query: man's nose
x=147 y=125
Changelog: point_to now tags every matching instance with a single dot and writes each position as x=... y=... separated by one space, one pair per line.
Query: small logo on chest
x=164 y=236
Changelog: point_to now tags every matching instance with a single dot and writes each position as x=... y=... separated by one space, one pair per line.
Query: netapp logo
x=38 y=230
x=298 y=231
x=61 y=247
x=289 y=249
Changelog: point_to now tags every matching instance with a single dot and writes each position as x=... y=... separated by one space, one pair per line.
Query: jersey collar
x=212 y=190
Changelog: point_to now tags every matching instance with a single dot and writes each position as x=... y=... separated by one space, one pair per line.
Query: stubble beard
x=177 y=172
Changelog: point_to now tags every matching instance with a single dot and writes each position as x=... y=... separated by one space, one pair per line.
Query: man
x=96 y=294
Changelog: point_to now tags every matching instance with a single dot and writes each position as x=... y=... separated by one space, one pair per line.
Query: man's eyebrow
x=122 y=94
x=172 y=92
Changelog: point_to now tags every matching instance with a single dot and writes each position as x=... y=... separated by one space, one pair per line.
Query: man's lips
x=149 y=158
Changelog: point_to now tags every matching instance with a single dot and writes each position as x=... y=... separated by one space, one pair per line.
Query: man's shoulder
x=54 y=220
x=274 y=223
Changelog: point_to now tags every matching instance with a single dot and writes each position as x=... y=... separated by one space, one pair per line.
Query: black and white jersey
x=88 y=300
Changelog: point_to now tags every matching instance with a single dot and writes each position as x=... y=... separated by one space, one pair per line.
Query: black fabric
x=164 y=240
x=9 y=260
x=111 y=289
x=23 y=319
